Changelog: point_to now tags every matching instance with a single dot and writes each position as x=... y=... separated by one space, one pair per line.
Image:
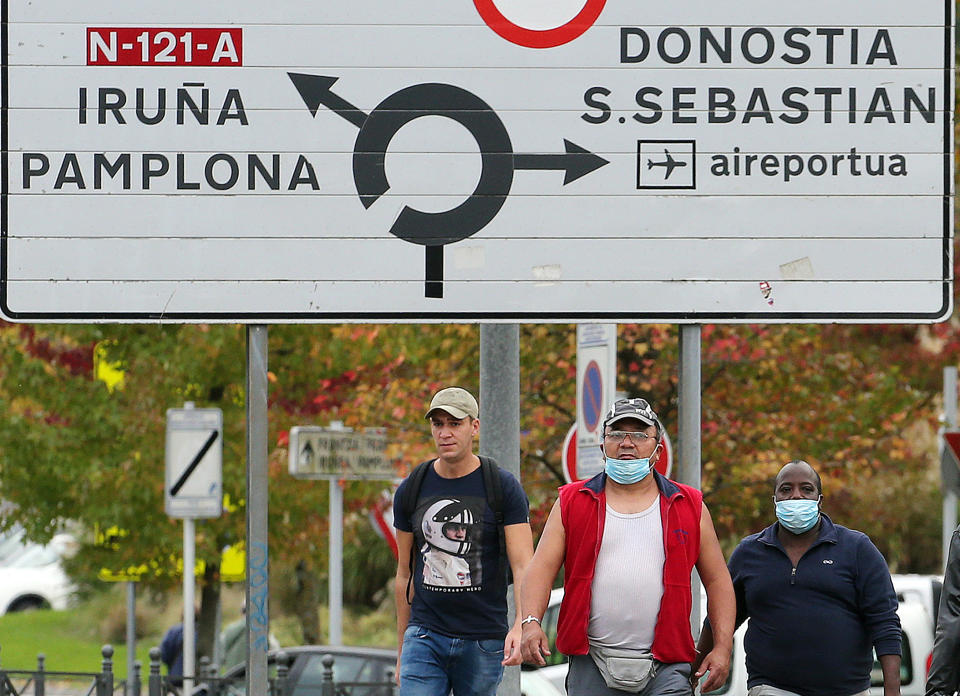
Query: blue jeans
x=432 y=664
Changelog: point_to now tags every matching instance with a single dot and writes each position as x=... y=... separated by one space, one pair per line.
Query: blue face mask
x=627 y=471
x=798 y=516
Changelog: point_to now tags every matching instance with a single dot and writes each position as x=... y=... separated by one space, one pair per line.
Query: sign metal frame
x=527 y=244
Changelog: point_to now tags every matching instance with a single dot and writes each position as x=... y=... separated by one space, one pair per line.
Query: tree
x=858 y=402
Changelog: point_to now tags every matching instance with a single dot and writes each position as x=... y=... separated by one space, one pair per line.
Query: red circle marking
x=568 y=454
x=664 y=461
x=539 y=38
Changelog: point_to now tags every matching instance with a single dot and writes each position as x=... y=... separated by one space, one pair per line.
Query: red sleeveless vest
x=583 y=511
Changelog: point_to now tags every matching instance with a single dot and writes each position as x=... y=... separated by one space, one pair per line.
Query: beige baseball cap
x=458 y=402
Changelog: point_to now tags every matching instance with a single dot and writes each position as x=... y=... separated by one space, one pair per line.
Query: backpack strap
x=408 y=504
x=494 y=489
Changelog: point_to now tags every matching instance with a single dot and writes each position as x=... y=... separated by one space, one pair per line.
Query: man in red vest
x=628 y=540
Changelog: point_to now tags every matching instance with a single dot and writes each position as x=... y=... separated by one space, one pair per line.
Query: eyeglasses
x=635 y=438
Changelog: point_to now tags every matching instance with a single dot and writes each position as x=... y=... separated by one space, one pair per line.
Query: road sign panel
x=193 y=483
x=712 y=160
x=952 y=440
x=596 y=384
x=321 y=453
x=592 y=396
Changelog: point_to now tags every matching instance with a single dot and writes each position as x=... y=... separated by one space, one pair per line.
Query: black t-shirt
x=458 y=582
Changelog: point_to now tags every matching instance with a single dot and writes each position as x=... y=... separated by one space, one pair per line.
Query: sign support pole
x=335 y=581
x=258 y=617
x=950 y=423
x=336 y=563
x=189 y=616
x=500 y=427
x=130 y=689
x=689 y=421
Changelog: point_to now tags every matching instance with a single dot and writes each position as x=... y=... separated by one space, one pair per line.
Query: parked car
x=555 y=671
x=925 y=589
x=11 y=543
x=351 y=664
x=917 y=647
x=31 y=576
x=305 y=675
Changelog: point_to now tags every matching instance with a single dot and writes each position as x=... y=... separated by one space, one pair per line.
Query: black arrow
x=193 y=465
x=576 y=163
x=315 y=92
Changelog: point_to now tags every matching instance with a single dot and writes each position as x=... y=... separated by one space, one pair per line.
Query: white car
x=925 y=589
x=31 y=577
x=915 y=621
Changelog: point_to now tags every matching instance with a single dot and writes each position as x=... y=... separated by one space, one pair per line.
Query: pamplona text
x=190 y=104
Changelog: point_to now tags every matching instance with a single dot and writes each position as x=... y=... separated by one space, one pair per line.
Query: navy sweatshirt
x=812 y=627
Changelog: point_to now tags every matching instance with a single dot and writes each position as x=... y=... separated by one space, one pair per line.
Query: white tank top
x=628 y=580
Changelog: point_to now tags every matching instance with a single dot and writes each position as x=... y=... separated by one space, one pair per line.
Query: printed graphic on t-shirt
x=451 y=532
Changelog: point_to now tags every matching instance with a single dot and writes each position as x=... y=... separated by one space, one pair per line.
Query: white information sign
x=479 y=160
x=193 y=481
x=320 y=453
x=596 y=387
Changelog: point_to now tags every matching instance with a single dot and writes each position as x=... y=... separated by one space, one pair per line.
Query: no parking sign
x=596 y=384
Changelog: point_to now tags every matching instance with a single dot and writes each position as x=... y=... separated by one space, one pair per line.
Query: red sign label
x=206 y=47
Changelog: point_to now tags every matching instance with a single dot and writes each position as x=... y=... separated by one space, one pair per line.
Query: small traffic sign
x=592 y=397
x=193 y=485
x=321 y=453
x=950 y=462
x=952 y=440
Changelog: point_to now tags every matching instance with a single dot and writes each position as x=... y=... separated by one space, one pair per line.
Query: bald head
x=797 y=472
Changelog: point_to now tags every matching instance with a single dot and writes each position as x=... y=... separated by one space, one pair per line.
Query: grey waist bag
x=626 y=670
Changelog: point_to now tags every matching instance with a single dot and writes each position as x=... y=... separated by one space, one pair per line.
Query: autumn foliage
x=860 y=403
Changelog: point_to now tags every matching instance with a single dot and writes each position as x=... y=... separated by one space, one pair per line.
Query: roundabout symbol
x=498 y=161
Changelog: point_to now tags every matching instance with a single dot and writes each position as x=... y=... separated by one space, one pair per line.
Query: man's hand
x=534 y=644
x=396 y=673
x=511 y=647
x=717 y=663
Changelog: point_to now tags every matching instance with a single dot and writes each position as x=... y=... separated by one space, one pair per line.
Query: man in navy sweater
x=819 y=597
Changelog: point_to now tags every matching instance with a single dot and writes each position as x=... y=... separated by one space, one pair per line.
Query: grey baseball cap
x=458 y=402
x=632 y=408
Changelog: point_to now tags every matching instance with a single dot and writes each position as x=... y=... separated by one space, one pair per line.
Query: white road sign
x=193 y=482
x=319 y=453
x=596 y=387
x=481 y=160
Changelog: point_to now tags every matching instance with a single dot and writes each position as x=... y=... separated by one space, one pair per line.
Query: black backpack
x=491 y=483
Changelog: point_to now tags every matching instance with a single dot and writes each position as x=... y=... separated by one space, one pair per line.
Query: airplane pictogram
x=670 y=164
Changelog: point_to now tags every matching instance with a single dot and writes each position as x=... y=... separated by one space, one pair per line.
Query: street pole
x=689 y=434
x=130 y=689
x=258 y=616
x=500 y=427
x=335 y=583
x=949 y=495
x=189 y=627
x=336 y=563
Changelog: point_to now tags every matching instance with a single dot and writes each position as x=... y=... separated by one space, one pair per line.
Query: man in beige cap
x=462 y=523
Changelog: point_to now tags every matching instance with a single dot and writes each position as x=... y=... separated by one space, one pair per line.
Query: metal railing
x=207 y=682
x=43 y=682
